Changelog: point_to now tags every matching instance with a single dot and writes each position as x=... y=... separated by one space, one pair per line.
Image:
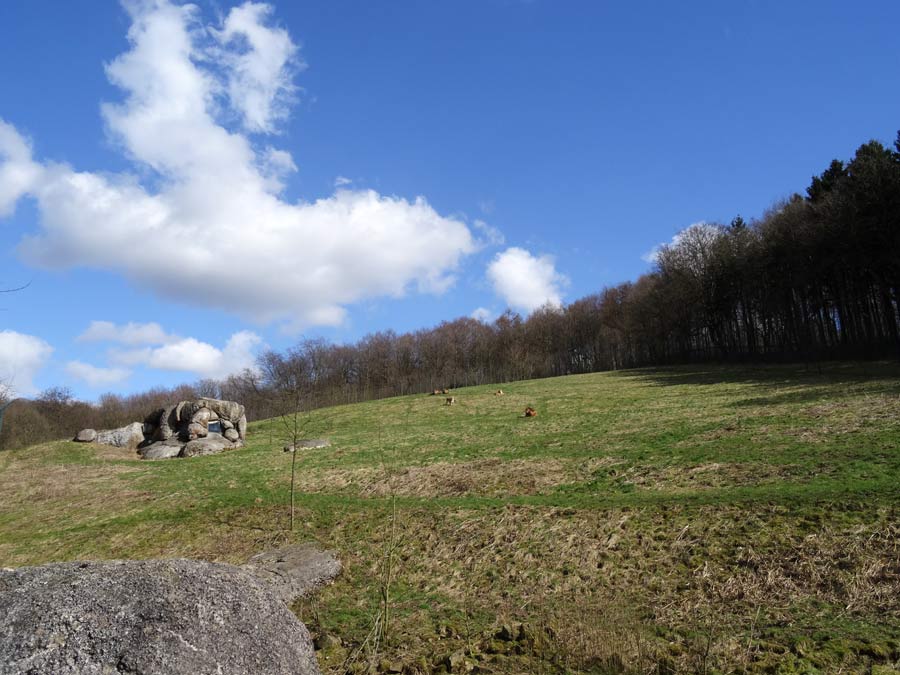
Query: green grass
x=693 y=519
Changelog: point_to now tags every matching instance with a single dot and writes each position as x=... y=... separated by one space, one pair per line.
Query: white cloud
x=524 y=281
x=651 y=255
x=151 y=346
x=18 y=173
x=128 y=334
x=193 y=356
x=96 y=376
x=491 y=236
x=215 y=232
x=259 y=84
x=21 y=357
x=482 y=314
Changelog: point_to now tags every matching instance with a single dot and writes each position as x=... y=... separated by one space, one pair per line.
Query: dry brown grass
x=712 y=475
x=488 y=477
x=491 y=477
x=701 y=569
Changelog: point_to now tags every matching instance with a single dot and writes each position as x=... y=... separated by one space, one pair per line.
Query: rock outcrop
x=308 y=444
x=295 y=571
x=86 y=436
x=210 y=444
x=147 y=616
x=202 y=427
x=130 y=436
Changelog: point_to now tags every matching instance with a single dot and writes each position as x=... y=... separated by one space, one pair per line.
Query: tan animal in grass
x=450 y=400
x=436 y=392
x=530 y=412
x=499 y=392
x=445 y=391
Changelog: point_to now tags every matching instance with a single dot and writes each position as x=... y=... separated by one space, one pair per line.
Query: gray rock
x=147 y=616
x=196 y=430
x=242 y=426
x=166 y=425
x=226 y=410
x=232 y=435
x=86 y=436
x=202 y=417
x=226 y=424
x=126 y=437
x=162 y=450
x=309 y=443
x=295 y=571
x=211 y=445
x=183 y=411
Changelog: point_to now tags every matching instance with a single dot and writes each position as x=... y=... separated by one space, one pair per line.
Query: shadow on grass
x=879 y=377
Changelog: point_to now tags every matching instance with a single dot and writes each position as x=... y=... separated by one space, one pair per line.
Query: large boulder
x=196 y=430
x=225 y=410
x=162 y=449
x=126 y=437
x=86 y=436
x=147 y=616
x=180 y=425
x=166 y=425
x=212 y=444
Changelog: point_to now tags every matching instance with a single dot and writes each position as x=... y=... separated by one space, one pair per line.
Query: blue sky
x=183 y=187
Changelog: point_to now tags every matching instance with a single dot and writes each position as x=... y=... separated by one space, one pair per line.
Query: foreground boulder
x=147 y=616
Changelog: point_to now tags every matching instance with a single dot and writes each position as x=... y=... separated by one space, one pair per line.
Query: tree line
x=817 y=276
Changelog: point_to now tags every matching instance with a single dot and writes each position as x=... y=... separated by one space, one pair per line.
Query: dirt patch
x=826 y=420
x=30 y=483
x=708 y=476
x=113 y=454
x=490 y=477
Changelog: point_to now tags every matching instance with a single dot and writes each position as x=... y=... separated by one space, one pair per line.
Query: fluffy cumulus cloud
x=525 y=281
x=96 y=376
x=259 y=82
x=129 y=334
x=18 y=172
x=149 y=345
x=482 y=314
x=490 y=235
x=207 y=224
x=193 y=356
x=21 y=357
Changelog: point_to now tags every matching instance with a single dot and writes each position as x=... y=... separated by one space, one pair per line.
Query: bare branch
x=15 y=290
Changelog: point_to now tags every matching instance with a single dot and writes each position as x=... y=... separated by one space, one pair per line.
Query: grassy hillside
x=680 y=520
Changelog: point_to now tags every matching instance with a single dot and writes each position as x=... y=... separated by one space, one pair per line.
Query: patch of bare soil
x=490 y=477
x=826 y=420
x=113 y=454
x=707 y=476
x=79 y=483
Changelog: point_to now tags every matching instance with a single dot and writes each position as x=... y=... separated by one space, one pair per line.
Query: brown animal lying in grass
x=530 y=412
x=499 y=392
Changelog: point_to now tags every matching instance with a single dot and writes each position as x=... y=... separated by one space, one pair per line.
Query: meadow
x=697 y=519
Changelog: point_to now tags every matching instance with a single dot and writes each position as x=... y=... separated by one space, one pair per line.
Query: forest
x=815 y=277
